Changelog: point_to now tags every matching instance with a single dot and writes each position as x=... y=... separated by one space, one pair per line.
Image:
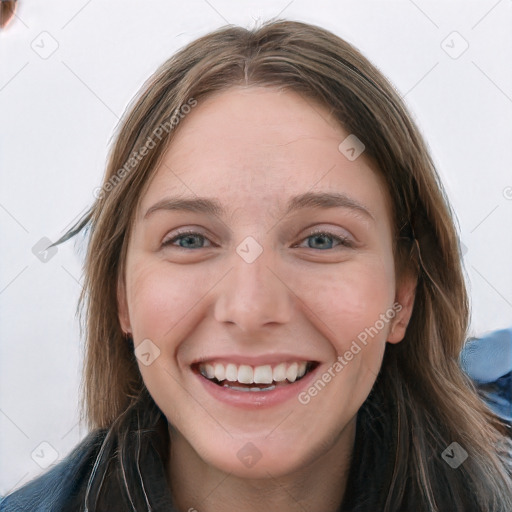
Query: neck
x=317 y=486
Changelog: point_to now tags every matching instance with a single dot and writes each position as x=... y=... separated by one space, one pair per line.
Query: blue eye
x=190 y=240
x=322 y=240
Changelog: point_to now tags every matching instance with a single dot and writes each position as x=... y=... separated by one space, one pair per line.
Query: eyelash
x=343 y=241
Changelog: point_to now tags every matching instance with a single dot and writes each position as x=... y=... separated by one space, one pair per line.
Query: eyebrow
x=210 y=206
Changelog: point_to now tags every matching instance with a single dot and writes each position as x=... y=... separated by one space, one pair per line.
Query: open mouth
x=248 y=378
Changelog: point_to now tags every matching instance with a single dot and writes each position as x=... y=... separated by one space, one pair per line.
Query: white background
x=58 y=113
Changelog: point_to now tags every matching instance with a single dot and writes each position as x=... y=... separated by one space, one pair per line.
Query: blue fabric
x=488 y=362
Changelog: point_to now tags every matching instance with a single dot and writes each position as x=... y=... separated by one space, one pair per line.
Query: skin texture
x=252 y=149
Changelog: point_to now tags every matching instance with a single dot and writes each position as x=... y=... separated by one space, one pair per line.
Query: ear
x=404 y=299
x=122 y=306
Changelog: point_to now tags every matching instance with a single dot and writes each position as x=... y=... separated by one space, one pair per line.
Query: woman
x=274 y=299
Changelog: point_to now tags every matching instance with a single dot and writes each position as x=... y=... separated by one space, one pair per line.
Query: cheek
x=354 y=310
x=350 y=300
x=164 y=305
x=161 y=297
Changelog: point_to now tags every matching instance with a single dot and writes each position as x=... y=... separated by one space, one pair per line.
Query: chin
x=254 y=457
x=256 y=460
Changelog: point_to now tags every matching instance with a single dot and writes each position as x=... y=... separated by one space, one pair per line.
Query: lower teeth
x=239 y=388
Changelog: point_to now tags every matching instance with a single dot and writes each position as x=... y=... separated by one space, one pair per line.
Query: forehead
x=255 y=147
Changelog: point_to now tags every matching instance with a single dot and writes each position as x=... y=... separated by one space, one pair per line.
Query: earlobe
x=405 y=295
x=122 y=306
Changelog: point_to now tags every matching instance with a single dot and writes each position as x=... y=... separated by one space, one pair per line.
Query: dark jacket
x=64 y=487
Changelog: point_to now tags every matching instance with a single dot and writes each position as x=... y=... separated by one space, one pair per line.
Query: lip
x=251 y=400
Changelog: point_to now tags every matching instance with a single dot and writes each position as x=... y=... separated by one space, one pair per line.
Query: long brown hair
x=421 y=401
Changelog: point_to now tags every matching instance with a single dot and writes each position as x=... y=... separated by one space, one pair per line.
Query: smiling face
x=260 y=252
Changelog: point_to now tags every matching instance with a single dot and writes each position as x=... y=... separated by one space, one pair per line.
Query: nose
x=253 y=296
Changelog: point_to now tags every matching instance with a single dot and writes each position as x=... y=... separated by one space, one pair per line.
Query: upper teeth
x=246 y=374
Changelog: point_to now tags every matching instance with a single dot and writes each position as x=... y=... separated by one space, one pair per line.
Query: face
x=259 y=284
